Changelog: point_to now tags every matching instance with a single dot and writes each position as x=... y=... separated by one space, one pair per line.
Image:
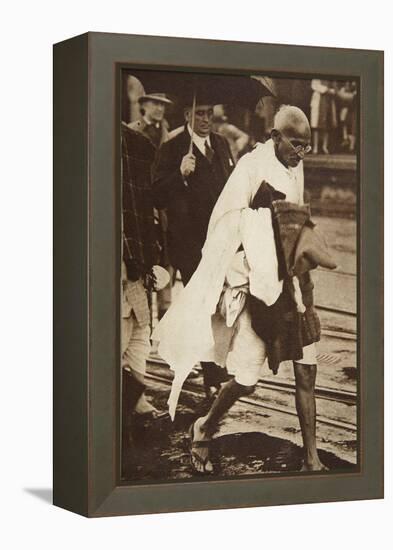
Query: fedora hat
x=155 y=97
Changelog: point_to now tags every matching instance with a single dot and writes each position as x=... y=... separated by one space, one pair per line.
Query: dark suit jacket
x=189 y=206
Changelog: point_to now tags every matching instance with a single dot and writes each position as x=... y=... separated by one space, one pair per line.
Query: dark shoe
x=132 y=389
x=152 y=415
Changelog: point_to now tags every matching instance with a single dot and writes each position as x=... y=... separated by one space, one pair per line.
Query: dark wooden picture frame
x=86 y=273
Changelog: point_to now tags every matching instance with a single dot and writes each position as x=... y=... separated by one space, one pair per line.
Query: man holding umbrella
x=191 y=171
x=193 y=168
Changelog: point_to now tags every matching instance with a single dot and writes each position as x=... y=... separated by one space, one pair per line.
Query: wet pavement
x=160 y=449
x=265 y=438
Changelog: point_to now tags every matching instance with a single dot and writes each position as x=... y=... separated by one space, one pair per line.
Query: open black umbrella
x=242 y=90
x=189 y=89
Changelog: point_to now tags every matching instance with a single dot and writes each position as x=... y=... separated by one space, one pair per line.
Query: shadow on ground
x=160 y=451
x=44 y=494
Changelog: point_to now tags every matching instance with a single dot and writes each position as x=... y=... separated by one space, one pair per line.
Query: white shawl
x=185 y=333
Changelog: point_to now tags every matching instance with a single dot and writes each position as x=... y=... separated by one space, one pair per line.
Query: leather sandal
x=195 y=456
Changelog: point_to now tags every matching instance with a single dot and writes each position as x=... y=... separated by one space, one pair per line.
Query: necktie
x=209 y=153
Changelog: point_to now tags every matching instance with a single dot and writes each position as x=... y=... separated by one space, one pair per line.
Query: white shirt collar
x=199 y=141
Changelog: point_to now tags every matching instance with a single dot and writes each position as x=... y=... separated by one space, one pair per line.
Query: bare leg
x=205 y=426
x=325 y=142
x=315 y=137
x=305 y=376
x=345 y=133
x=352 y=143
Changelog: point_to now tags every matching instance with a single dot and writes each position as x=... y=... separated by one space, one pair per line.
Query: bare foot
x=314 y=466
x=199 y=449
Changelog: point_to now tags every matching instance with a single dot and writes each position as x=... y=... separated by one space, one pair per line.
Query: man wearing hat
x=188 y=182
x=152 y=123
x=138 y=275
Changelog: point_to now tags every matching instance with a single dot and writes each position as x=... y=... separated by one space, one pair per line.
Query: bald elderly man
x=225 y=281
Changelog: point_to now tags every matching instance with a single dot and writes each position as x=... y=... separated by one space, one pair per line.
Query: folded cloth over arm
x=258 y=242
x=311 y=251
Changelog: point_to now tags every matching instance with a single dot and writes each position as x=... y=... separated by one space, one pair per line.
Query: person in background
x=323 y=113
x=151 y=122
x=139 y=255
x=153 y=125
x=346 y=96
x=132 y=91
x=187 y=184
x=237 y=139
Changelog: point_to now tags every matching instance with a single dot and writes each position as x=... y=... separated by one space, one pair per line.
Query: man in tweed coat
x=153 y=125
x=139 y=255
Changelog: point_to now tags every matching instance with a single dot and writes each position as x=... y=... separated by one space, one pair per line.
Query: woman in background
x=323 y=113
x=347 y=101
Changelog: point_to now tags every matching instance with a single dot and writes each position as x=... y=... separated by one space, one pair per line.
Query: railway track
x=336 y=293
x=339 y=311
x=259 y=405
x=337 y=322
x=321 y=392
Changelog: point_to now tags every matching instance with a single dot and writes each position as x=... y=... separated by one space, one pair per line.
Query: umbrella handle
x=192 y=123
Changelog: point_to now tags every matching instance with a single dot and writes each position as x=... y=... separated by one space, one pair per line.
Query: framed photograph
x=218 y=274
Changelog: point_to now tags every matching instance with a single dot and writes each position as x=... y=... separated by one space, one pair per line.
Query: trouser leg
x=315 y=139
x=164 y=296
x=325 y=141
x=135 y=351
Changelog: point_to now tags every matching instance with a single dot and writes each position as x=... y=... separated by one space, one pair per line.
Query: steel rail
x=256 y=405
x=331 y=394
x=340 y=311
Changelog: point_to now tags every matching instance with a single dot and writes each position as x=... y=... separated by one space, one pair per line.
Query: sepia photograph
x=239 y=275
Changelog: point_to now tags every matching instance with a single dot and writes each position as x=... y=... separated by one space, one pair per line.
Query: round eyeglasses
x=300 y=150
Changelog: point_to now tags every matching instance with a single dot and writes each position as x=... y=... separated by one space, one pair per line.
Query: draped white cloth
x=185 y=333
